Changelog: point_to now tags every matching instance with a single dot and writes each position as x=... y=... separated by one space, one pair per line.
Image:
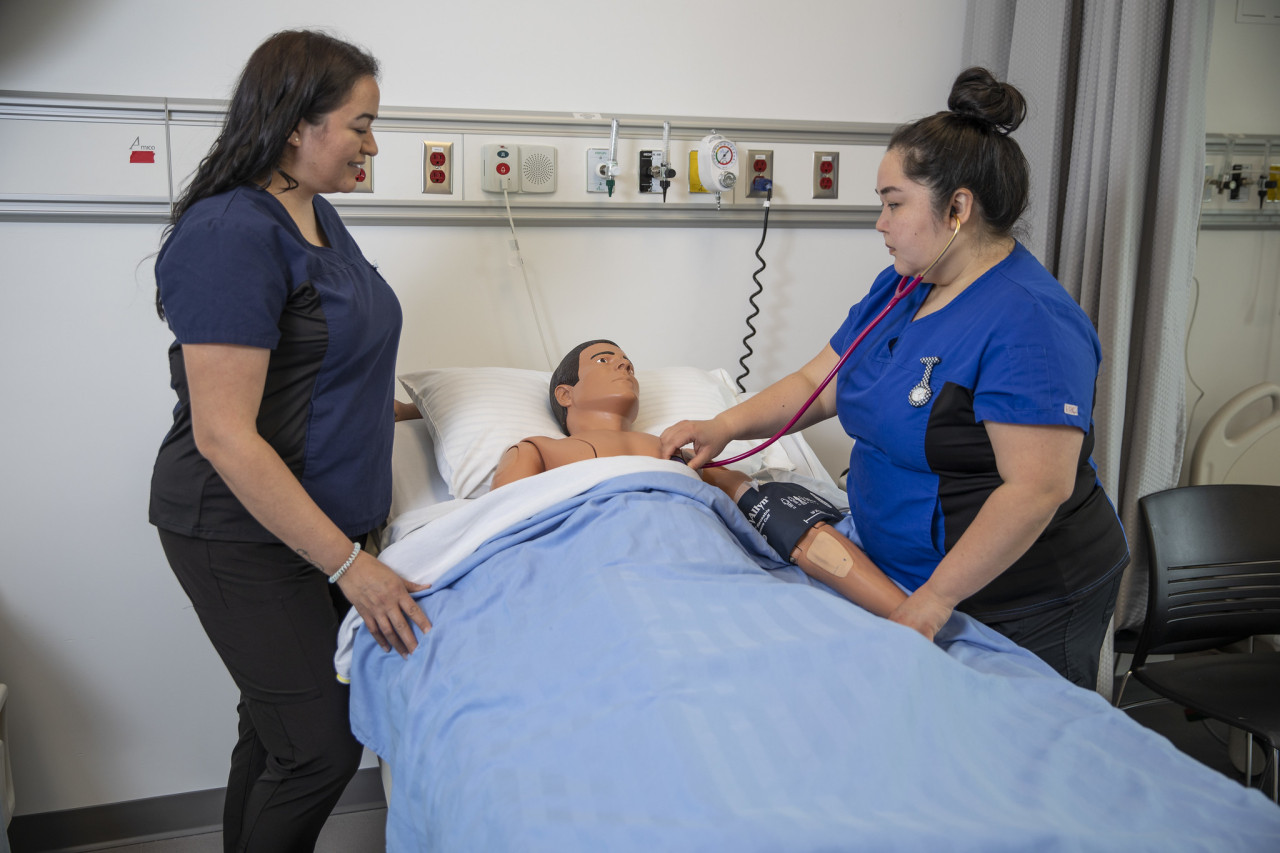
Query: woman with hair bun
x=278 y=463
x=970 y=481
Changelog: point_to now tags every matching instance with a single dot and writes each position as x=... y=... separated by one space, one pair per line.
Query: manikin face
x=912 y=232
x=326 y=157
x=606 y=382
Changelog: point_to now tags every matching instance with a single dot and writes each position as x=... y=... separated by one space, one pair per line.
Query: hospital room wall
x=1233 y=342
x=115 y=692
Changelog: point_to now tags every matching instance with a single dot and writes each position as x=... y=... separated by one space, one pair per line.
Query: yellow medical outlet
x=695 y=184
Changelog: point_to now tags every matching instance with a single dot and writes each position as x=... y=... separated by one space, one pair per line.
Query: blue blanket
x=633 y=669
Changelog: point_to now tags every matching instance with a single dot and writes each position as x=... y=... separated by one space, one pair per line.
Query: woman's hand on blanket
x=383 y=600
x=708 y=438
x=923 y=611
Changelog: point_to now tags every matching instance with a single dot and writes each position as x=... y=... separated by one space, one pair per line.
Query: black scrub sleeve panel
x=1081 y=544
x=187 y=494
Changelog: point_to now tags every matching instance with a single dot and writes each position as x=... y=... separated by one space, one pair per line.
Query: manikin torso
x=592 y=444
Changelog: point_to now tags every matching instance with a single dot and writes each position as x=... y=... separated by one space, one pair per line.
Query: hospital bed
x=1228 y=453
x=619 y=662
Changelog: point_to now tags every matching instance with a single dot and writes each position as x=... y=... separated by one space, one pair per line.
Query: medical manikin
x=595 y=397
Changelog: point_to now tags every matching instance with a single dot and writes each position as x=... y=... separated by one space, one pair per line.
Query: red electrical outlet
x=761 y=165
x=364 y=178
x=437 y=167
x=826 y=174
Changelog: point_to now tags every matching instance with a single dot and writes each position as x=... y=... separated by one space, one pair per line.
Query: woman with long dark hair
x=278 y=463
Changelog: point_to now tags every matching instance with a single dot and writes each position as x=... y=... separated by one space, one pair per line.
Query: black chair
x=1215 y=573
x=1125 y=642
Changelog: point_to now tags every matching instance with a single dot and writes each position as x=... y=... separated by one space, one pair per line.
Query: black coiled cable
x=755 y=309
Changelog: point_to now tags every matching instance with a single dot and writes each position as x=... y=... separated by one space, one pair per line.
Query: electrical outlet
x=437 y=167
x=597 y=160
x=826 y=174
x=758 y=164
x=364 y=178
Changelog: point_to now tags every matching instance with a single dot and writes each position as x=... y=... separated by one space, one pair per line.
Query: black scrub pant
x=1069 y=637
x=273 y=619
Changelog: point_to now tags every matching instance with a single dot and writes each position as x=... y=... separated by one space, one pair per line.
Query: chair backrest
x=1214 y=568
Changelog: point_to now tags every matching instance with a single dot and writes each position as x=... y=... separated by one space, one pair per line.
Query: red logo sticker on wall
x=139 y=153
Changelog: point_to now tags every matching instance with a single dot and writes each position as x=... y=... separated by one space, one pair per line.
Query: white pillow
x=416 y=481
x=476 y=413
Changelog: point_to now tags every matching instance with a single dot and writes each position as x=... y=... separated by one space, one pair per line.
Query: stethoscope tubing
x=904 y=287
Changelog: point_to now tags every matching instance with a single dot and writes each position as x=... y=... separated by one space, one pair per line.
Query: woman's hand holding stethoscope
x=709 y=439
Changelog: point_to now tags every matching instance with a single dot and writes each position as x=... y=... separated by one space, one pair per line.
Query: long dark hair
x=293 y=76
x=969 y=146
x=567 y=374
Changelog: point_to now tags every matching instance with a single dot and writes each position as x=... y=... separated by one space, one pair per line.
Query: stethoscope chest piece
x=921 y=392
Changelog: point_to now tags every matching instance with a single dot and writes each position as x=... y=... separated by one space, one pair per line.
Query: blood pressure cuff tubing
x=784 y=512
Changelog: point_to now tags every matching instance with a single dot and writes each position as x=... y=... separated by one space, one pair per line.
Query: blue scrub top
x=1014 y=348
x=236 y=270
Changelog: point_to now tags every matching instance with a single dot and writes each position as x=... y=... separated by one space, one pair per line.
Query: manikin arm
x=406 y=411
x=520 y=461
x=826 y=555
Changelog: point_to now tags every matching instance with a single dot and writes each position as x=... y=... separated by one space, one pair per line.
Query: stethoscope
x=904 y=287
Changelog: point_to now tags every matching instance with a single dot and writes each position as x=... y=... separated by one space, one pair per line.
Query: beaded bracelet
x=333 y=578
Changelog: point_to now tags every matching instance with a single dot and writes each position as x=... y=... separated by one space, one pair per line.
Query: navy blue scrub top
x=1012 y=348
x=236 y=270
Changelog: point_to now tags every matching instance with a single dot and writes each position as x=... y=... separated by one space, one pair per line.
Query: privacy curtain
x=1115 y=138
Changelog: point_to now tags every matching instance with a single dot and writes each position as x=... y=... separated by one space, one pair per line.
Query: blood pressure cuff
x=784 y=512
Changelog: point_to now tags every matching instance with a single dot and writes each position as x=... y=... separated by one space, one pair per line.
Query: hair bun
x=978 y=96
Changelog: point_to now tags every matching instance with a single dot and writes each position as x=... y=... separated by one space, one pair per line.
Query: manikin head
x=595 y=377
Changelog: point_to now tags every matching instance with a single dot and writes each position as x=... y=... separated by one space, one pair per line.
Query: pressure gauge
x=717 y=163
